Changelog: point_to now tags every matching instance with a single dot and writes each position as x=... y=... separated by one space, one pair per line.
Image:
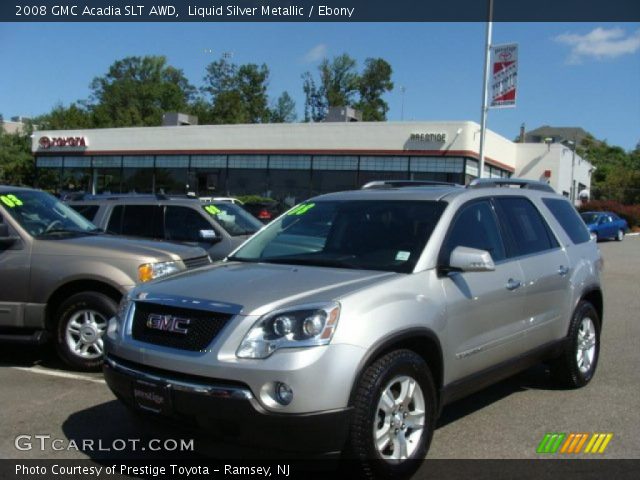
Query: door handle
x=513 y=284
x=562 y=270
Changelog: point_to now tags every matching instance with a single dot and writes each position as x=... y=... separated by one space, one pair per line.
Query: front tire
x=82 y=321
x=394 y=415
x=577 y=364
x=620 y=236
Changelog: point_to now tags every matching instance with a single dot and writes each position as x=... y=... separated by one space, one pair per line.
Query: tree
x=284 y=111
x=136 y=91
x=16 y=161
x=374 y=82
x=65 y=118
x=339 y=83
x=238 y=93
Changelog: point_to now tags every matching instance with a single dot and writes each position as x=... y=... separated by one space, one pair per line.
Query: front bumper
x=230 y=410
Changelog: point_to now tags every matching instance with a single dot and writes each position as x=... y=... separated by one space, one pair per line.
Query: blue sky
x=571 y=74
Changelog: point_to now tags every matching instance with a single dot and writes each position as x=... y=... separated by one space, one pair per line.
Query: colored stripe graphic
x=598 y=443
x=551 y=442
x=573 y=443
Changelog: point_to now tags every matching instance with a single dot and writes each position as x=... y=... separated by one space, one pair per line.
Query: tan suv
x=62 y=277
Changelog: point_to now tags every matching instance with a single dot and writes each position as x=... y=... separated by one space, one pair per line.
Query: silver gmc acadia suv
x=347 y=323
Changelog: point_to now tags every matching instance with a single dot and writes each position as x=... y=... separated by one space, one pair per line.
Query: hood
x=110 y=246
x=260 y=287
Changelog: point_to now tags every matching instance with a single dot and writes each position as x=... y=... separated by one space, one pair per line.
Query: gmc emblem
x=168 y=323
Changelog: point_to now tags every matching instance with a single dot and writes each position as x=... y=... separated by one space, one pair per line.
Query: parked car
x=265 y=211
x=221 y=199
x=218 y=227
x=62 y=277
x=347 y=323
x=605 y=225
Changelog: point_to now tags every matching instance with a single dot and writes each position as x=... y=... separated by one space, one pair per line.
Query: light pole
x=485 y=80
x=572 y=190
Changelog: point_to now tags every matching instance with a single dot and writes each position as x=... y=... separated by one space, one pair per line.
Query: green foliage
x=374 y=82
x=238 y=93
x=65 y=118
x=284 y=111
x=617 y=174
x=339 y=83
x=16 y=162
x=136 y=91
x=255 y=199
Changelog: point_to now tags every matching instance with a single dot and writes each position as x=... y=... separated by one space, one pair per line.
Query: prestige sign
x=439 y=137
x=63 y=142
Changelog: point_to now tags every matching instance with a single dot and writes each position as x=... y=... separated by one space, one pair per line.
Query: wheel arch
x=422 y=341
x=594 y=296
x=73 y=287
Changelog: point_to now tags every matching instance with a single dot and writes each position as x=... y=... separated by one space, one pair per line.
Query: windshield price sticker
x=11 y=200
x=213 y=210
x=302 y=209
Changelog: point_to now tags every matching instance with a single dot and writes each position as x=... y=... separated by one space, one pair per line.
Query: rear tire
x=81 y=322
x=394 y=415
x=577 y=364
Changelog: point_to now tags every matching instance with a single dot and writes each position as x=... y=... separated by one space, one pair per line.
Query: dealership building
x=291 y=161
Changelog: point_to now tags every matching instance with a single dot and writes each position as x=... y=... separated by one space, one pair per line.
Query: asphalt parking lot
x=39 y=396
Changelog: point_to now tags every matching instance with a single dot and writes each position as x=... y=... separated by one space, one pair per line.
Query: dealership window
x=290 y=177
x=248 y=161
x=446 y=164
x=108 y=173
x=335 y=163
x=171 y=174
x=208 y=161
x=395 y=164
x=137 y=173
x=77 y=174
x=49 y=172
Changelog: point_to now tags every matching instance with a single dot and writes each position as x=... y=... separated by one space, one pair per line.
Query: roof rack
x=382 y=184
x=134 y=196
x=511 y=182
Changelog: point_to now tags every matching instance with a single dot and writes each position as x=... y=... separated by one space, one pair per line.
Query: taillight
x=264 y=214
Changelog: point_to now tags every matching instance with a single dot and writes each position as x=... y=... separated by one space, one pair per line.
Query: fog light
x=284 y=394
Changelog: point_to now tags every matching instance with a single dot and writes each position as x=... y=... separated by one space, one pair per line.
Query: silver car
x=350 y=321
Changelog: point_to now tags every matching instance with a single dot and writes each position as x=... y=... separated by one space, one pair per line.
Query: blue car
x=605 y=225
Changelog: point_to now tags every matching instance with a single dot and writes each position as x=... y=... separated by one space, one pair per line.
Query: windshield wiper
x=315 y=262
x=95 y=231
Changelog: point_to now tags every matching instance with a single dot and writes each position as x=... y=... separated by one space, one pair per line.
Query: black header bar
x=318 y=11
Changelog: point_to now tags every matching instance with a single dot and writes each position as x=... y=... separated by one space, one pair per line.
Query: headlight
x=123 y=309
x=303 y=326
x=151 y=271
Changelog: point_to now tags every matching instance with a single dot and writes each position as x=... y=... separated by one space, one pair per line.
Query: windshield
x=369 y=235
x=43 y=215
x=590 y=217
x=233 y=218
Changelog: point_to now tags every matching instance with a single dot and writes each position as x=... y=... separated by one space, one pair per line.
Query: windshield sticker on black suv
x=11 y=200
x=403 y=256
x=213 y=210
x=302 y=209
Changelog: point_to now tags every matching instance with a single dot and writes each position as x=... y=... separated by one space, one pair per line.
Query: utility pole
x=402 y=90
x=485 y=80
x=572 y=191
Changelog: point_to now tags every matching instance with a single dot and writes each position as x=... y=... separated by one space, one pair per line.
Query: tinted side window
x=87 y=211
x=568 y=218
x=524 y=225
x=142 y=221
x=115 y=220
x=183 y=224
x=475 y=226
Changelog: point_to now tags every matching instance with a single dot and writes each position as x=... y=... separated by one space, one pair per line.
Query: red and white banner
x=504 y=75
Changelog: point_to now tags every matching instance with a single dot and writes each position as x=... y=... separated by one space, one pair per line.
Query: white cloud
x=316 y=53
x=600 y=44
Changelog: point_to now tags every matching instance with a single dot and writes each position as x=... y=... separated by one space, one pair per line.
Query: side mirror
x=467 y=259
x=208 y=236
x=6 y=240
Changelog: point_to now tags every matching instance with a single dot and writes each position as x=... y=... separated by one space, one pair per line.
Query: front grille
x=196 y=262
x=202 y=328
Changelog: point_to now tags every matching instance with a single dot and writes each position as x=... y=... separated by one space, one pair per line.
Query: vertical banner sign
x=504 y=75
